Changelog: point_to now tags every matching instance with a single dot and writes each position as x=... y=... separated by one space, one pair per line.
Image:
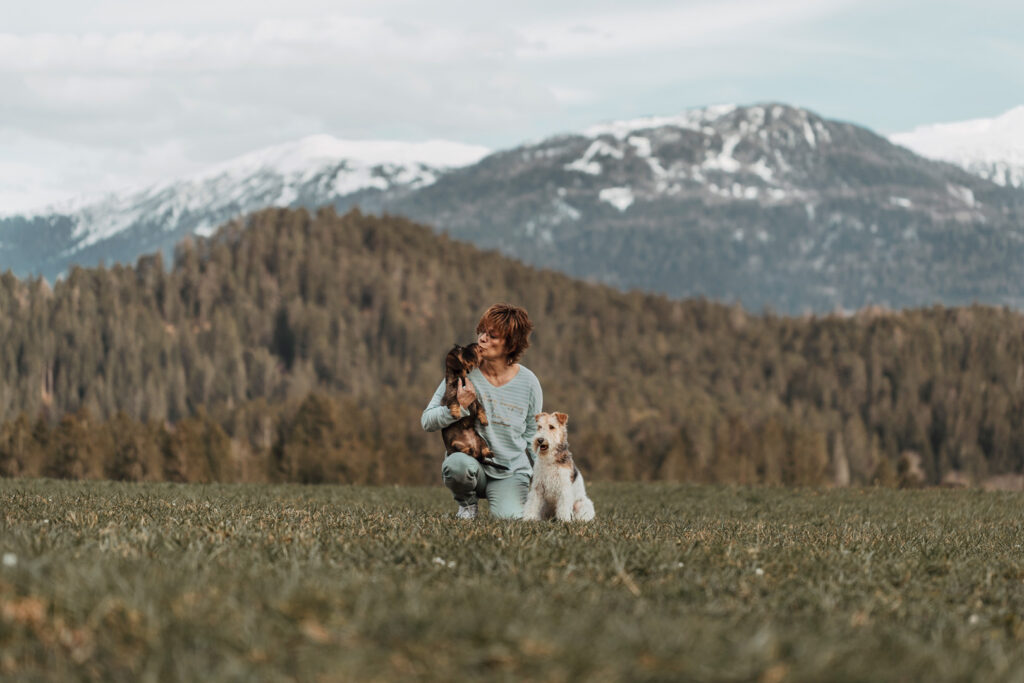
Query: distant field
x=168 y=582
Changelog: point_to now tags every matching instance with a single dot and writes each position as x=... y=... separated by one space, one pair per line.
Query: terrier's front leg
x=531 y=510
x=480 y=414
x=563 y=508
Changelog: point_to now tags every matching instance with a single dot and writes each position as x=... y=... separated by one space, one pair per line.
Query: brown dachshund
x=460 y=436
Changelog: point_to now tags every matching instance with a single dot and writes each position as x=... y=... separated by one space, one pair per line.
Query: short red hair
x=511 y=323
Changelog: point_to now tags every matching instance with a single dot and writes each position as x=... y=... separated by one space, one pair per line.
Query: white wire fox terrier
x=557 y=488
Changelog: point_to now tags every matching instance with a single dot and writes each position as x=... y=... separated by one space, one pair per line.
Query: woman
x=510 y=395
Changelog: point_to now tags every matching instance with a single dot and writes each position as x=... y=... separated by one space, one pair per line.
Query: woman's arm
x=438 y=416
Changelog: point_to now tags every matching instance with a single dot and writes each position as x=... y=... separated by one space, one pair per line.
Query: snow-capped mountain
x=315 y=170
x=991 y=148
x=768 y=205
x=310 y=172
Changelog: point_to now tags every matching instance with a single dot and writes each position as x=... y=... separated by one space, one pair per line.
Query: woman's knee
x=460 y=469
x=508 y=497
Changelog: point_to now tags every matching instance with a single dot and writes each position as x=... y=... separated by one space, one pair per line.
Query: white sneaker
x=466 y=512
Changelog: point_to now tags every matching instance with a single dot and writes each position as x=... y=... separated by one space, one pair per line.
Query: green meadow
x=114 y=581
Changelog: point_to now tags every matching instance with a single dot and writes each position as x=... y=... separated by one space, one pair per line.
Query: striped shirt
x=510 y=409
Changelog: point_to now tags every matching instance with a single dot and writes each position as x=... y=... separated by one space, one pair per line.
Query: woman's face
x=490 y=346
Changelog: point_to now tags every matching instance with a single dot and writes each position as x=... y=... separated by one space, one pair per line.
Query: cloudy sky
x=109 y=94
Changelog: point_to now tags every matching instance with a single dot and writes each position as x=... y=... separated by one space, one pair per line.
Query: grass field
x=166 y=582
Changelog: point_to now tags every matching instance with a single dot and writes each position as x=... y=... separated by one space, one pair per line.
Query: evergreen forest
x=299 y=346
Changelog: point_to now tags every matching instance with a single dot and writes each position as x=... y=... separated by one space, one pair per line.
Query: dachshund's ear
x=562 y=418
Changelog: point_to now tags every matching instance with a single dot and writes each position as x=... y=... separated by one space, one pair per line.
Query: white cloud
x=35 y=172
x=92 y=91
x=572 y=96
x=339 y=74
x=112 y=91
x=674 y=26
x=91 y=113
x=269 y=43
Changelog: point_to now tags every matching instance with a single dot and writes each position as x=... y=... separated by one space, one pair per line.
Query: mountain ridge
x=768 y=204
x=309 y=172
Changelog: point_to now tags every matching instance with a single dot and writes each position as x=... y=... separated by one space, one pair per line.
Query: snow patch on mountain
x=619 y=197
x=318 y=168
x=566 y=211
x=962 y=193
x=761 y=169
x=735 y=191
x=724 y=161
x=205 y=229
x=586 y=163
x=992 y=148
x=809 y=134
x=691 y=119
x=642 y=145
x=305 y=156
x=738 y=142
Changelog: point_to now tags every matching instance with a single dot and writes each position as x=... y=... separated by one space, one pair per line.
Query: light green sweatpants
x=468 y=481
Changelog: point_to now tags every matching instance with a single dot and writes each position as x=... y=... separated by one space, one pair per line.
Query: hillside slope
x=304 y=347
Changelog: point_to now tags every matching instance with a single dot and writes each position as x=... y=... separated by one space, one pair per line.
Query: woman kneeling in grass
x=510 y=395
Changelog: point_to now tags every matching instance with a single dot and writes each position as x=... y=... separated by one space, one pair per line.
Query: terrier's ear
x=562 y=418
x=538 y=416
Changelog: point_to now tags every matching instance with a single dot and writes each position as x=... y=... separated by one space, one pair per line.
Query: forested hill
x=301 y=347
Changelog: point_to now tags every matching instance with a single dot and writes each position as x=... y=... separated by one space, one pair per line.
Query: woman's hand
x=466 y=394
